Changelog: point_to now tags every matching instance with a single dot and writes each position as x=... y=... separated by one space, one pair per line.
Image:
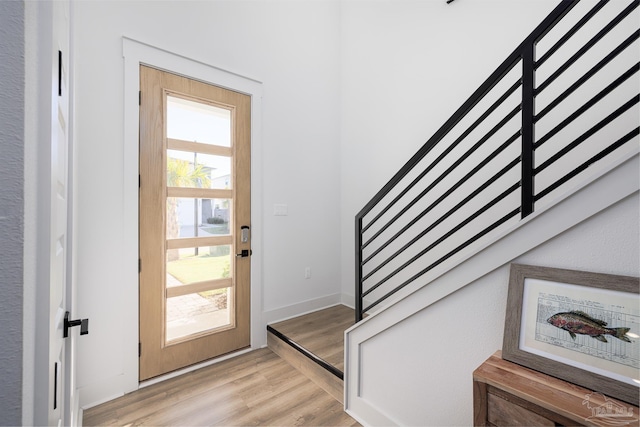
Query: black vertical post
x=528 y=105
x=358 y=302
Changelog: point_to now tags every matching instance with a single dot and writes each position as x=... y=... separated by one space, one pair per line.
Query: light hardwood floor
x=321 y=332
x=257 y=388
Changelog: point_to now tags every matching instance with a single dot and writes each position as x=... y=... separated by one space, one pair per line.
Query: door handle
x=83 y=323
x=244 y=253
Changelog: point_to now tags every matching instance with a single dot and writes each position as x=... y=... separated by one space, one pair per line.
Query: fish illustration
x=578 y=322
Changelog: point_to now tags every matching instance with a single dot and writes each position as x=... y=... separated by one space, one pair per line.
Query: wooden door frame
x=135 y=54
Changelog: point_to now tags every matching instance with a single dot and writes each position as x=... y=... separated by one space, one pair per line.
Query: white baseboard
x=298 y=309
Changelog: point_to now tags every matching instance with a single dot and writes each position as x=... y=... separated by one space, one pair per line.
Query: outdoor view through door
x=194 y=221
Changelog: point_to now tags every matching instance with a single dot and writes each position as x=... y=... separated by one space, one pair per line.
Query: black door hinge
x=139 y=181
x=139 y=349
x=55 y=386
x=59 y=73
x=139 y=97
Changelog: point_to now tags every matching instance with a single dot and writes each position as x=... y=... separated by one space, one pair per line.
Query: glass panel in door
x=194 y=121
x=199 y=279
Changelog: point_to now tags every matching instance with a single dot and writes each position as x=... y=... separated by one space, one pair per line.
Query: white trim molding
x=135 y=53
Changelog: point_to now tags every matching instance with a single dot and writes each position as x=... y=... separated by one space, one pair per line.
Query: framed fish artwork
x=578 y=326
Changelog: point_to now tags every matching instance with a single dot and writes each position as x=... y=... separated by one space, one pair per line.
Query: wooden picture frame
x=536 y=338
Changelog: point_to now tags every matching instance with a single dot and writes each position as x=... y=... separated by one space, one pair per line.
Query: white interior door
x=60 y=372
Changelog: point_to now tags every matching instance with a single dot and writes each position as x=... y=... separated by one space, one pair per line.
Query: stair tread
x=320 y=332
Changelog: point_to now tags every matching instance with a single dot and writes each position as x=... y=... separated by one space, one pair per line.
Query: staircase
x=537 y=161
x=541 y=158
x=314 y=344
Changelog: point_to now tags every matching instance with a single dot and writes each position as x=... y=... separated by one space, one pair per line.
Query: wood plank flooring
x=321 y=332
x=256 y=388
x=325 y=379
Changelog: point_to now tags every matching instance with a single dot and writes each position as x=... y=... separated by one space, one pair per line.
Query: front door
x=194 y=221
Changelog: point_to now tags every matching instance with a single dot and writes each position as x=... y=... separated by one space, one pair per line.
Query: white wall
x=12 y=66
x=407 y=66
x=439 y=347
x=289 y=46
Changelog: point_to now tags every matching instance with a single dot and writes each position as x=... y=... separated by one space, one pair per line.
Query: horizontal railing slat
x=451 y=168
x=602 y=154
x=593 y=101
x=595 y=39
x=464 y=179
x=594 y=10
x=442 y=238
x=589 y=74
x=450 y=212
x=586 y=135
x=448 y=255
x=477 y=96
x=493 y=107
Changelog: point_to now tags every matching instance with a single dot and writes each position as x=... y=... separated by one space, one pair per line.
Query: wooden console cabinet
x=506 y=394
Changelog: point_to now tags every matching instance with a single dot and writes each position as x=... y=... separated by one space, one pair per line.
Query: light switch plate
x=280 y=210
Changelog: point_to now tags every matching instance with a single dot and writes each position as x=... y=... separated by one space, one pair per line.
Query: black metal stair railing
x=463 y=183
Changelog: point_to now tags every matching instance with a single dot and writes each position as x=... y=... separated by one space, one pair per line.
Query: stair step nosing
x=318 y=360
